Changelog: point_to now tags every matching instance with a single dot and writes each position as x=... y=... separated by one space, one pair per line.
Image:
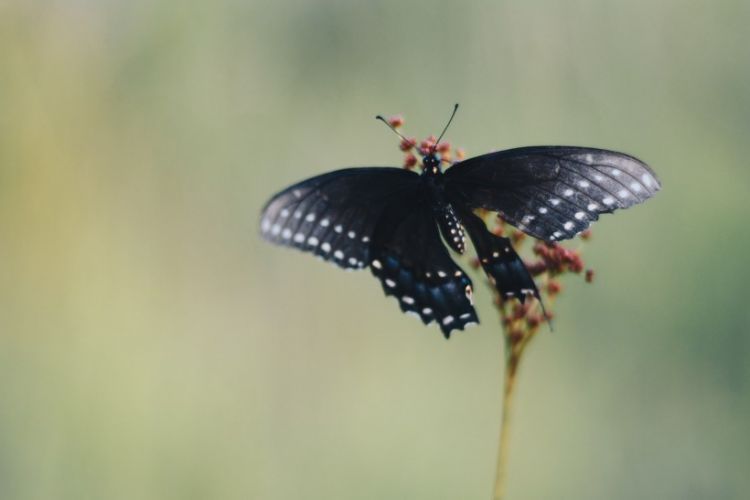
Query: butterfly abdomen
x=450 y=225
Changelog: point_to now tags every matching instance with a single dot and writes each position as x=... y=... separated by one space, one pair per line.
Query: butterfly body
x=444 y=214
x=398 y=223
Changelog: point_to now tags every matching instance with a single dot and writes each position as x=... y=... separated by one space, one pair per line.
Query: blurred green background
x=153 y=347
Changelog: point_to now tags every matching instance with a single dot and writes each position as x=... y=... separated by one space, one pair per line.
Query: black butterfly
x=398 y=223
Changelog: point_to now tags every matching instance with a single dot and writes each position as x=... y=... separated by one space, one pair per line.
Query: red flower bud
x=409 y=161
x=534 y=321
x=407 y=144
x=536 y=268
x=517 y=236
x=396 y=121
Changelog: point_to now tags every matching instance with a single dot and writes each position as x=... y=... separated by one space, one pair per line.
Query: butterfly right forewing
x=552 y=192
x=334 y=215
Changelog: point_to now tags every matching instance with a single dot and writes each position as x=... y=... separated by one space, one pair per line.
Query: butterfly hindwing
x=413 y=265
x=334 y=215
x=552 y=192
x=506 y=270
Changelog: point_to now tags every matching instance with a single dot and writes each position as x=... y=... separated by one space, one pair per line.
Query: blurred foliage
x=152 y=347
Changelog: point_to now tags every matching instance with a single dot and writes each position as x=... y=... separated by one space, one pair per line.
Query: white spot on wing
x=592 y=206
x=351 y=234
x=276 y=229
x=407 y=299
x=338 y=228
x=542 y=210
x=286 y=233
x=326 y=247
x=299 y=238
x=266 y=225
x=568 y=225
x=312 y=241
x=284 y=213
x=636 y=187
x=647 y=180
x=554 y=201
x=390 y=283
x=338 y=254
x=584 y=184
x=448 y=320
x=426 y=311
x=310 y=217
x=608 y=200
x=580 y=215
x=376 y=264
x=324 y=222
x=622 y=193
x=568 y=192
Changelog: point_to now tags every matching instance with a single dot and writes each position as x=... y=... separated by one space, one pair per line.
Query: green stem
x=511 y=368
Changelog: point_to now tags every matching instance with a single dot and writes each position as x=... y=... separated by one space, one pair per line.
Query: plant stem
x=511 y=367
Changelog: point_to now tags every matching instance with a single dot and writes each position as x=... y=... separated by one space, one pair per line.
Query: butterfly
x=403 y=225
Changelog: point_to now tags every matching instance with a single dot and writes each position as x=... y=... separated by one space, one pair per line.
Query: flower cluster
x=547 y=262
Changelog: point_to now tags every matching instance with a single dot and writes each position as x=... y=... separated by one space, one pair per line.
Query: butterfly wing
x=552 y=192
x=500 y=262
x=334 y=215
x=413 y=264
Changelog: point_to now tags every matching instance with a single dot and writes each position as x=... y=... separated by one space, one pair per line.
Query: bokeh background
x=153 y=347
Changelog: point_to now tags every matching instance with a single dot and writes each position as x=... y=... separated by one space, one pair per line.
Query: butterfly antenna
x=455 y=108
x=380 y=117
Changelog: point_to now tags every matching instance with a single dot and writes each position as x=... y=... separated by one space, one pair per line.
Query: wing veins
x=599 y=185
